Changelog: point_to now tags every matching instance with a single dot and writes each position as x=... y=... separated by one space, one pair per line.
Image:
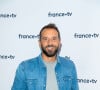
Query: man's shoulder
x=29 y=62
x=66 y=60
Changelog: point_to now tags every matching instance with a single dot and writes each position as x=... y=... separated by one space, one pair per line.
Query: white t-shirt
x=51 y=83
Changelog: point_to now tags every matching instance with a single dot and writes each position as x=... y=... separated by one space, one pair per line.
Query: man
x=48 y=71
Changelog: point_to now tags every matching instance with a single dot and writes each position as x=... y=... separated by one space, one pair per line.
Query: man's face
x=50 y=42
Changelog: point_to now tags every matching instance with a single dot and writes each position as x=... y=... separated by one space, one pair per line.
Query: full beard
x=50 y=53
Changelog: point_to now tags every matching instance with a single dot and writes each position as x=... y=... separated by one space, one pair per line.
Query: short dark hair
x=50 y=25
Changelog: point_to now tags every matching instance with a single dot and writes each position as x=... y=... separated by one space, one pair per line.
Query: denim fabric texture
x=31 y=75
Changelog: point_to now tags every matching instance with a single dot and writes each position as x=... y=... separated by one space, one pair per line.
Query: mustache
x=50 y=46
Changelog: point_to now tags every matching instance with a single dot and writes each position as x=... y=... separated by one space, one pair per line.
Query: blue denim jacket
x=31 y=75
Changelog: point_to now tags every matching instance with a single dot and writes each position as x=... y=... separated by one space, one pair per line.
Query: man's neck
x=48 y=59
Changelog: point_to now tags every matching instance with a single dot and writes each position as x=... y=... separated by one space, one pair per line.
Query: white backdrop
x=79 y=24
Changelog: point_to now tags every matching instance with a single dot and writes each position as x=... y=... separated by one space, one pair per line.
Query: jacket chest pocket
x=32 y=84
x=65 y=82
x=35 y=84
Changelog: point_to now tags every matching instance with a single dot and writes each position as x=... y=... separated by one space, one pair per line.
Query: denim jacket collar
x=41 y=63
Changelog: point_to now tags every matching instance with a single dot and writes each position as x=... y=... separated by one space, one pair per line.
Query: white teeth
x=50 y=47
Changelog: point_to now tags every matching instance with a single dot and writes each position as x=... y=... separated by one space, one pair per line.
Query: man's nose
x=50 y=41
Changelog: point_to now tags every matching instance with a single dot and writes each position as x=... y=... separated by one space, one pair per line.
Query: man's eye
x=44 y=38
x=54 y=38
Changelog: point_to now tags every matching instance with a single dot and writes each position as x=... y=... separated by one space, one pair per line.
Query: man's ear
x=60 y=45
x=39 y=43
x=60 y=48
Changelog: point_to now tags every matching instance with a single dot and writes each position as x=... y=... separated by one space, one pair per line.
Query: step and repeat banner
x=79 y=25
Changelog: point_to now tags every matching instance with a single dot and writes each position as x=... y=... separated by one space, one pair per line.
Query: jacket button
x=56 y=73
x=44 y=85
